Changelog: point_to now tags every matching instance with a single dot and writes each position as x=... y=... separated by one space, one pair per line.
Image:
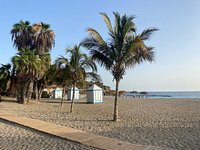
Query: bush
x=45 y=94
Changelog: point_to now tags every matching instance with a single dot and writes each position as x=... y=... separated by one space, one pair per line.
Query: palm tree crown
x=44 y=38
x=76 y=67
x=124 y=47
x=78 y=64
x=26 y=62
x=22 y=35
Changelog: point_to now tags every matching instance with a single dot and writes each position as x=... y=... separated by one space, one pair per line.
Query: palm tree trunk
x=40 y=89
x=63 y=94
x=19 y=92
x=39 y=93
x=73 y=95
x=30 y=91
x=0 y=97
x=35 y=90
x=23 y=94
x=11 y=90
x=115 y=117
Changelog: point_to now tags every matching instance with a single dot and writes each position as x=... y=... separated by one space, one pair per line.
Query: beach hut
x=70 y=93
x=94 y=94
x=57 y=93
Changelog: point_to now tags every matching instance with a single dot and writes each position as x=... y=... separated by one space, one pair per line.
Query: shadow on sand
x=8 y=100
x=59 y=101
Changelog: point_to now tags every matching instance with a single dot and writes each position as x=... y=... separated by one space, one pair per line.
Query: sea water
x=170 y=94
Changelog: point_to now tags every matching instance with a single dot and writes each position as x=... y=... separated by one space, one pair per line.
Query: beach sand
x=170 y=123
x=15 y=137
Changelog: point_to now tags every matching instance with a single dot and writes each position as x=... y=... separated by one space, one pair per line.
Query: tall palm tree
x=44 y=40
x=27 y=64
x=22 y=37
x=123 y=50
x=38 y=38
x=77 y=67
x=45 y=65
x=46 y=75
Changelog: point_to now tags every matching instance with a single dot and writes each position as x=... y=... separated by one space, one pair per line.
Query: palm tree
x=123 y=50
x=22 y=37
x=38 y=38
x=44 y=40
x=47 y=79
x=45 y=65
x=26 y=64
x=77 y=66
x=62 y=74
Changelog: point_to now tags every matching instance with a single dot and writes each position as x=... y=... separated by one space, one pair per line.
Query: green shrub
x=45 y=94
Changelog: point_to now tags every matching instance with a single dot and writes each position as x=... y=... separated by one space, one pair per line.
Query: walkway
x=79 y=136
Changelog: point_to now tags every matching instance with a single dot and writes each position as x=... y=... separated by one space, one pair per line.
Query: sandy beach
x=15 y=137
x=170 y=123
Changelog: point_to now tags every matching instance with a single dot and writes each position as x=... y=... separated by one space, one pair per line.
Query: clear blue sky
x=177 y=44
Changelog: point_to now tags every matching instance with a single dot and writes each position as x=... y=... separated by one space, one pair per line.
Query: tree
x=77 y=66
x=44 y=40
x=47 y=79
x=45 y=65
x=123 y=50
x=22 y=37
x=26 y=64
x=38 y=38
x=62 y=74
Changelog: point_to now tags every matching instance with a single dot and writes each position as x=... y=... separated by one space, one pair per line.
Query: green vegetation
x=26 y=64
x=5 y=72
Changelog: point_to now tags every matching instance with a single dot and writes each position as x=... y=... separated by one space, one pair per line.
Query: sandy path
x=171 y=123
x=14 y=137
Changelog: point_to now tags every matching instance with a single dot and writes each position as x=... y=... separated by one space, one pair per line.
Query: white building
x=57 y=93
x=70 y=93
x=94 y=95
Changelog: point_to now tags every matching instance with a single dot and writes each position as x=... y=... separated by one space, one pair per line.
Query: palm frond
x=107 y=21
x=95 y=77
x=146 y=34
x=96 y=36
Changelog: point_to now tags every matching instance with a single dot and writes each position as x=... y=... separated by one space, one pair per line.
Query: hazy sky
x=177 y=43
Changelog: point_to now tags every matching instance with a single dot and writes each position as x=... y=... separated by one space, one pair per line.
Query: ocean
x=174 y=94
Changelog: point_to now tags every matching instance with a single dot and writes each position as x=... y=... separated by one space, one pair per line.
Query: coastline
x=166 y=94
x=170 y=123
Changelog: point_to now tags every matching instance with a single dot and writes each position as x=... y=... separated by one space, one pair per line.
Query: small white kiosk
x=57 y=93
x=94 y=95
x=70 y=93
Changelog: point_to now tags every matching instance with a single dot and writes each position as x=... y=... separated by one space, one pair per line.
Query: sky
x=177 y=43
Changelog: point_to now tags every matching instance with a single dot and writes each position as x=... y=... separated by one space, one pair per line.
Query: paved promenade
x=78 y=136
